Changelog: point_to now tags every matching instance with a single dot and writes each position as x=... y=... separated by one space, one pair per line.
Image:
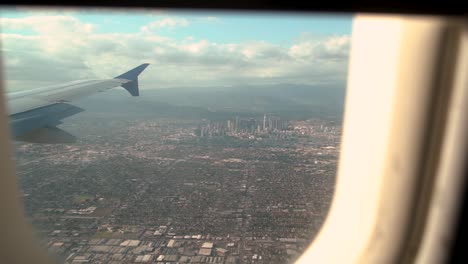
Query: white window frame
x=400 y=172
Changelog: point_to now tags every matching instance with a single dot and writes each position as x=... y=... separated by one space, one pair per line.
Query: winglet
x=132 y=75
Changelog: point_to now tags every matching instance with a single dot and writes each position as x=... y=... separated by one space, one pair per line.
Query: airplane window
x=163 y=136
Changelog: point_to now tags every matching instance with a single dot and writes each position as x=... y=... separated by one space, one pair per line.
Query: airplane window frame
x=395 y=216
x=384 y=239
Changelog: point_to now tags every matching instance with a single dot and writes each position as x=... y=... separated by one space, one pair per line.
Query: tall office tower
x=264 y=121
x=229 y=125
x=237 y=124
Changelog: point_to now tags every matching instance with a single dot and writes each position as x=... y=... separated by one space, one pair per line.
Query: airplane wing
x=34 y=114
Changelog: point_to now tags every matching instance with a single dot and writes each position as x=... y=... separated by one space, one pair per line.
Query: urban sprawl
x=241 y=190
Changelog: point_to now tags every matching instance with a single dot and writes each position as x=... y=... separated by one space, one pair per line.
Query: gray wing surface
x=34 y=114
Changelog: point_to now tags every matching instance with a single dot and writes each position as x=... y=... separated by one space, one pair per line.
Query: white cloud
x=48 y=25
x=167 y=22
x=208 y=19
x=211 y=18
x=332 y=48
x=65 y=48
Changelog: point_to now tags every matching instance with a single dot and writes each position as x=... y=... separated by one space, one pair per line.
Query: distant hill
x=286 y=100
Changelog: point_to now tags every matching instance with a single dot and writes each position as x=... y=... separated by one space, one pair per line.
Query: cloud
x=167 y=22
x=48 y=24
x=64 y=48
x=208 y=19
x=334 y=48
x=211 y=18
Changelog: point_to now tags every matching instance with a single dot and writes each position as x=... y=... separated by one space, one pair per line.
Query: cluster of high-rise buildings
x=237 y=125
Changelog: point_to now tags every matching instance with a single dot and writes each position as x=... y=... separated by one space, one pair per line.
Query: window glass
x=228 y=155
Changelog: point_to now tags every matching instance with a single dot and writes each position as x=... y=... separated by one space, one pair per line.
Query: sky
x=185 y=49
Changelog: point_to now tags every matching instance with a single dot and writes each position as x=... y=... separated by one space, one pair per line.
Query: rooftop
x=207 y=245
x=205 y=252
